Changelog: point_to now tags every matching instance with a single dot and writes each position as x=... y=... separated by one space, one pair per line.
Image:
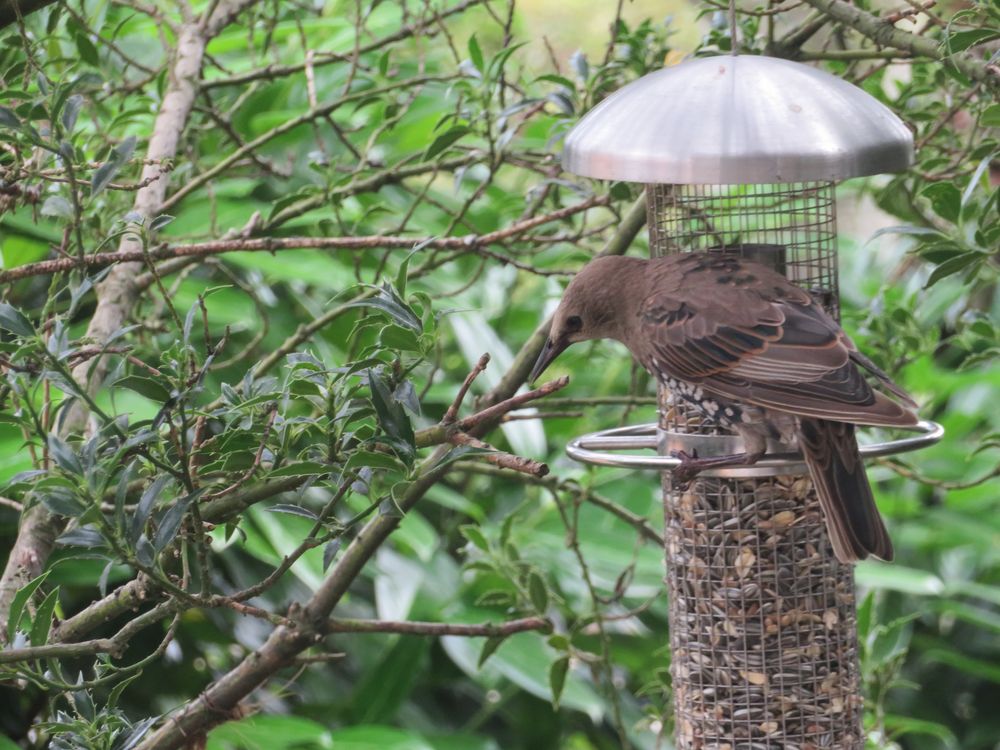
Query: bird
x=752 y=353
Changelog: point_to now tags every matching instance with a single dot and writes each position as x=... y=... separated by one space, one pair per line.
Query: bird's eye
x=574 y=323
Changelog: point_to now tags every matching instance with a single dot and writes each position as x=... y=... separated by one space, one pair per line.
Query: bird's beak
x=550 y=351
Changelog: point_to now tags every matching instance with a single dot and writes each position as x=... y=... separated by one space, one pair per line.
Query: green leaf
x=403 y=271
x=151 y=389
x=301 y=469
x=498 y=63
x=406 y=395
x=65 y=458
x=121 y=492
x=388 y=302
x=373 y=460
x=865 y=612
x=446 y=139
x=170 y=524
x=20 y=601
x=962 y=40
x=971 y=665
x=8 y=119
x=558 y=80
x=116 y=694
x=159 y=222
x=145 y=507
x=106 y=172
x=391 y=415
x=84 y=704
x=977 y=176
x=557 y=678
x=902 y=725
x=63 y=502
x=71 y=111
x=474 y=535
x=377 y=698
x=330 y=551
x=489 y=648
x=43 y=618
x=981 y=617
x=558 y=641
x=86 y=49
x=397 y=338
x=538 y=592
x=877 y=575
x=84 y=536
x=887 y=642
x=945 y=199
x=953 y=266
x=475 y=53
x=12 y=320
x=269 y=732
x=144 y=551
x=991 y=116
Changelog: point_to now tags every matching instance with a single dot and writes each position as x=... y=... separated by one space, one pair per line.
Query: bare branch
x=554 y=483
x=885 y=34
x=500 y=458
x=313 y=114
x=471 y=243
x=117 y=294
x=452 y=413
x=437 y=628
x=424 y=29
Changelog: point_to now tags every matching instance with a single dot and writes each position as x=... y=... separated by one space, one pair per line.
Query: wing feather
x=761 y=340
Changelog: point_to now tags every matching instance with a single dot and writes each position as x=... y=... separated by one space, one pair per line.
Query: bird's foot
x=689 y=467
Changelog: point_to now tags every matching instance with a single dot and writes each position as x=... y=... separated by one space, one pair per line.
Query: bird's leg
x=754 y=442
x=691 y=465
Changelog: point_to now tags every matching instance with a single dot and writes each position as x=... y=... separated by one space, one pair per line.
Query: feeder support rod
x=732 y=27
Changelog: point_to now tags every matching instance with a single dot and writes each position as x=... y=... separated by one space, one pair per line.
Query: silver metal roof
x=738 y=119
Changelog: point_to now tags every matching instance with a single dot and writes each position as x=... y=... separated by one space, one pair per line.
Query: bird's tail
x=852 y=519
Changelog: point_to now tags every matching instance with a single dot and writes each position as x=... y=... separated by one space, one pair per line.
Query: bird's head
x=596 y=305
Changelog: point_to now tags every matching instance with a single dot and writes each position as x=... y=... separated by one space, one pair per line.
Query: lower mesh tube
x=762 y=626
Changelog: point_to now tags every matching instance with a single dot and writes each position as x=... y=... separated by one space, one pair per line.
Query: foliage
x=364 y=200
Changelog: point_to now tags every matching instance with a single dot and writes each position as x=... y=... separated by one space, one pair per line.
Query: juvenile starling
x=754 y=354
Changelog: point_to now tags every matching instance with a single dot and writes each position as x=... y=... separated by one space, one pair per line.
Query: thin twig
x=452 y=412
x=437 y=628
x=471 y=243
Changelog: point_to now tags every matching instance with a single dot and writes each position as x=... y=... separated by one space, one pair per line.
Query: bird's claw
x=688 y=468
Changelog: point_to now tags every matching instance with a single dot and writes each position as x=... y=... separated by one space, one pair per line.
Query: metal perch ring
x=593 y=449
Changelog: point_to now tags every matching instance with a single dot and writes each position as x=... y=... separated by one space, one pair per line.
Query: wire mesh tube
x=763 y=632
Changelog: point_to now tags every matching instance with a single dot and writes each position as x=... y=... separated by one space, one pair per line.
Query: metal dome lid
x=738 y=119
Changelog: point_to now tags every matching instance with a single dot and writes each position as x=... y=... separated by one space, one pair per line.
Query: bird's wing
x=756 y=338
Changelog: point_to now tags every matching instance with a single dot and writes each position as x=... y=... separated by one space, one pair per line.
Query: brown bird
x=754 y=354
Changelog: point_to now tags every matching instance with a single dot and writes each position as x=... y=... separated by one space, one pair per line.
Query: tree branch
x=117 y=294
x=437 y=628
x=634 y=520
x=306 y=117
x=425 y=29
x=471 y=243
x=887 y=35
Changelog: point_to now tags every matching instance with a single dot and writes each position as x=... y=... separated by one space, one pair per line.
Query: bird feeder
x=740 y=154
